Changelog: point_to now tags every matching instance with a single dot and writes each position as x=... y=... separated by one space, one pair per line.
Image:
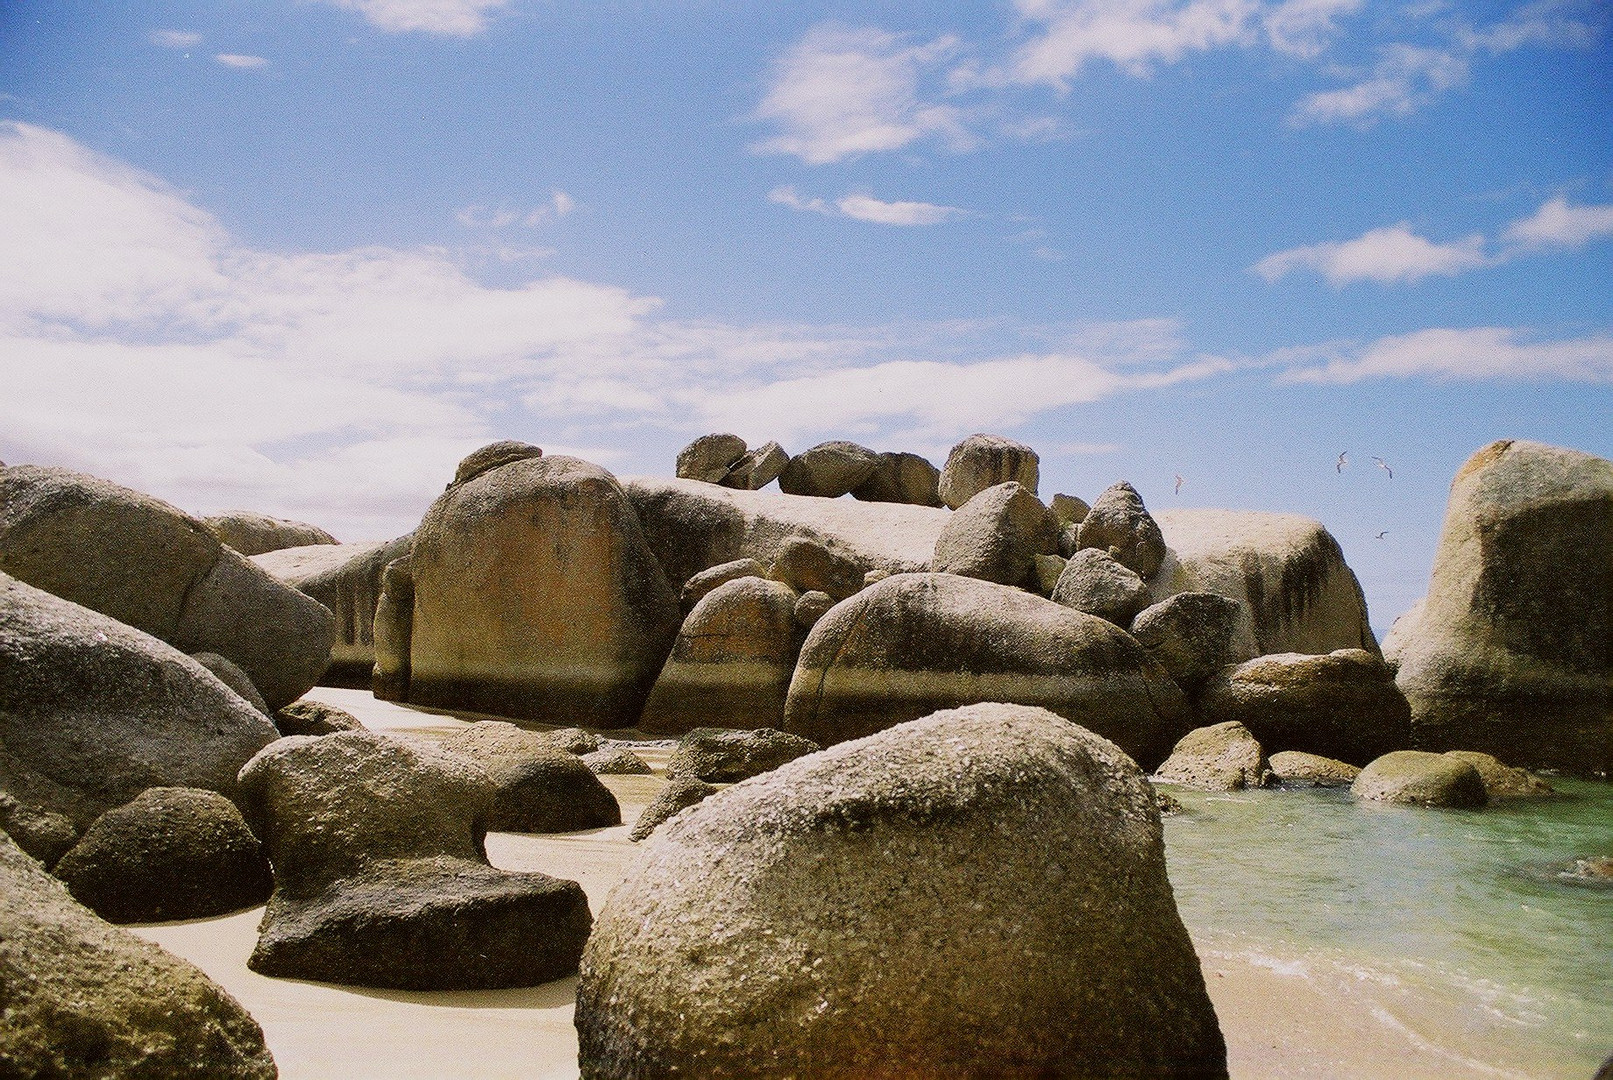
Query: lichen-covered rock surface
x=978 y=893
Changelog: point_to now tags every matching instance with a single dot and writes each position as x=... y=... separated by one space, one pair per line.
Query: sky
x=300 y=256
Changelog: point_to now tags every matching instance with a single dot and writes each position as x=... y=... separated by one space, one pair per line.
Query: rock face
x=87 y=1000
x=978 y=893
x=709 y=457
x=901 y=478
x=997 y=535
x=536 y=596
x=1343 y=705
x=1120 y=524
x=149 y=565
x=42 y=834
x=719 y=756
x=1510 y=652
x=172 y=853
x=731 y=663
x=692 y=527
x=492 y=456
x=1502 y=781
x=93 y=712
x=1095 y=582
x=681 y=792
x=392 y=629
x=914 y=643
x=983 y=461
x=696 y=588
x=348 y=580
x=537 y=788
x=1287 y=571
x=234 y=678
x=828 y=470
x=1297 y=767
x=252 y=533
x=1191 y=636
x=381 y=875
x=806 y=565
x=315 y=718
x=1221 y=757
x=1419 y=778
x=757 y=468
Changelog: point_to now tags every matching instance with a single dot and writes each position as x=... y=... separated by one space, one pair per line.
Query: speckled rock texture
x=1421 y=778
x=145 y=563
x=315 y=718
x=1120 y=524
x=537 y=787
x=718 y=756
x=915 y=643
x=756 y=468
x=381 y=872
x=996 y=536
x=982 y=461
x=808 y=565
x=492 y=456
x=1220 y=757
x=709 y=457
x=1097 y=583
x=233 y=677
x=536 y=596
x=172 y=853
x=42 y=834
x=571 y=740
x=1343 y=705
x=252 y=533
x=1191 y=636
x=901 y=478
x=93 y=712
x=980 y=893
x=731 y=663
x=1509 y=653
x=85 y=1000
x=679 y=793
x=1502 y=781
x=828 y=470
x=617 y=761
x=1295 y=768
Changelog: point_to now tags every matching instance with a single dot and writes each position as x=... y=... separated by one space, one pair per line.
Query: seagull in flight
x=1384 y=465
x=1179 y=483
x=1381 y=535
x=1344 y=459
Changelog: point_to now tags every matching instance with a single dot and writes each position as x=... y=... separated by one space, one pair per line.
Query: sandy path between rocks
x=1277 y=1025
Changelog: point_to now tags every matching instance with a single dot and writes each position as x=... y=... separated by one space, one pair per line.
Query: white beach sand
x=1279 y=1021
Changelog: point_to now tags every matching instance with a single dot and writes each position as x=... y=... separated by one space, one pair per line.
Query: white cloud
x=448 y=18
x=1405 y=78
x=1392 y=254
x=1489 y=353
x=842 y=92
x=1545 y=23
x=1133 y=34
x=140 y=341
x=175 y=39
x=236 y=60
x=1557 y=224
x=502 y=216
x=864 y=207
x=563 y=204
x=1304 y=28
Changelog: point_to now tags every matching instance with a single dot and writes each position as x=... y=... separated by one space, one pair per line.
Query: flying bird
x=1344 y=459
x=1179 y=483
x=1381 y=535
x=1384 y=465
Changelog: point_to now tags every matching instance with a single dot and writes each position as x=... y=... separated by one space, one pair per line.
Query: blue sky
x=300 y=256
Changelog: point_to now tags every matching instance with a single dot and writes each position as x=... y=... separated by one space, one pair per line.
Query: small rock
x=252 y=533
x=723 y=756
x=233 y=677
x=812 y=606
x=571 y=740
x=1190 y=634
x=983 y=461
x=618 y=761
x=1295 y=767
x=1222 y=757
x=807 y=565
x=697 y=587
x=710 y=457
x=679 y=793
x=1047 y=571
x=1503 y=781
x=901 y=478
x=828 y=470
x=1420 y=778
x=757 y=469
x=996 y=536
x=40 y=833
x=537 y=788
x=491 y=457
x=308 y=717
x=1069 y=509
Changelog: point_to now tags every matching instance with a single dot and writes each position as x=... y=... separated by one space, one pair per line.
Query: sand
x=1280 y=1020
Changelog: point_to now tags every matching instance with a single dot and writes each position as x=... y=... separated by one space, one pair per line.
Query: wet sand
x=1281 y=1020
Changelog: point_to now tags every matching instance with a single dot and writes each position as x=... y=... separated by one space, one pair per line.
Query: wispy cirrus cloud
x=1488 y=353
x=175 y=39
x=1396 y=254
x=1134 y=35
x=503 y=215
x=446 y=18
x=864 y=207
x=238 y=60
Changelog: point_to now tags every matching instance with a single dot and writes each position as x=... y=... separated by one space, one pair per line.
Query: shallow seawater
x=1453 y=925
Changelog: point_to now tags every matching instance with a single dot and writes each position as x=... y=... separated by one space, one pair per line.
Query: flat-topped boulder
x=981 y=892
x=913 y=643
x=1509 y=652
x=1287 y=571
x=252 y=533
x=93 y=711
x=347 y=579
x=381 y=872
x=537 y=597
x=85 y=1000
x=148 y=564
x=693 y=526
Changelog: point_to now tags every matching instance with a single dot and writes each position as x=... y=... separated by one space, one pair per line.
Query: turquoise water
x=1457 y=915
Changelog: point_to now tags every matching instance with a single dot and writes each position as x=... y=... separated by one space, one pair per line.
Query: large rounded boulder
x=537 y=786
x=85 y=1000
x=1509 y=653
x=536 y=596
x=152 y=566
x=996 y=536
x=1120 y=524
x=93 y=712
x=252 y=533
x=983 y=461
x=1421 y=778
x=828 y=470
x=914 y=643
x=981 y=892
